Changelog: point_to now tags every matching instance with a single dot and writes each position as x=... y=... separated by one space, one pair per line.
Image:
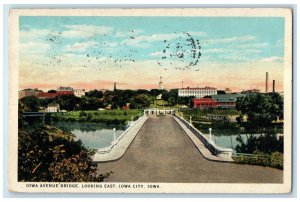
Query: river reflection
x=92 y=135
x=248 y=143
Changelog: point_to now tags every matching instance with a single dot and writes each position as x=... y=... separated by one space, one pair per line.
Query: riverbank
x=95 y=116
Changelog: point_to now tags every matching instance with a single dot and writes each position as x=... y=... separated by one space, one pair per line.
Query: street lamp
x=210 y=134
x=114 y=129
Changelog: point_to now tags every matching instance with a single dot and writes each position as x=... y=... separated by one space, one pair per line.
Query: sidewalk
x=120 y=147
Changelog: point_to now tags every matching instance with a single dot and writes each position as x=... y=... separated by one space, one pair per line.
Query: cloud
x=33 y=48
x=217 y=50
x=201 y=34
x=85 y=31
x=133 y=32
x=230 y=40
x=158 y=53
x=151 y=38
x=252 y=45
x=80 y=47
x=273 y=59
x=33 y=34
x=143 y=39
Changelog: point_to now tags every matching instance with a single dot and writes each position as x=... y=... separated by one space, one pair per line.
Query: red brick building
x=224 y=101
x=64 y=92
x=43 y=95
x=204 y=103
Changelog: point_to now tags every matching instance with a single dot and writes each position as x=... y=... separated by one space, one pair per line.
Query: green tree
x=28 y=104
x=68 y=102
x=95 y=93
x=260 y=109
x=140 y=101
x=52 y=91
x=47 y=154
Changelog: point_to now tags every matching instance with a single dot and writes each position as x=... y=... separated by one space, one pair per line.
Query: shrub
x=47 y=154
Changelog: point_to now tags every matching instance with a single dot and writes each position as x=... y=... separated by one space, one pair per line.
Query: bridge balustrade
x=214 y=149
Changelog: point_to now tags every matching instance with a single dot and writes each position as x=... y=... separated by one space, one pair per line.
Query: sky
x=94 y=52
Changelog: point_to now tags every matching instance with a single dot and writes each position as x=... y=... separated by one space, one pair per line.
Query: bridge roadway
x=162 y=152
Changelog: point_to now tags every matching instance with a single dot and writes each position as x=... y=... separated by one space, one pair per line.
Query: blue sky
x=110 y=43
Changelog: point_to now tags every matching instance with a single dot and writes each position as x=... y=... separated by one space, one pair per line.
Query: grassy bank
x=105 y=116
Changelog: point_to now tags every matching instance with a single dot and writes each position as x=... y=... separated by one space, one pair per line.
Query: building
x=79 y=92
x=61 y=88
x=29 y=92
x=44 y=95
x=53 y=107
x=204 y=103
x=224 y=101
x=197 y=92
x=160 y=84
x=65 y=92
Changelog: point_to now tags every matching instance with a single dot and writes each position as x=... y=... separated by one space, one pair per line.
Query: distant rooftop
x=206 y=87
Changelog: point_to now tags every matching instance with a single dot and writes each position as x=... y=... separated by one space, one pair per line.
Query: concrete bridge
x=37 y=114
x=156 y=111
x=164 y=151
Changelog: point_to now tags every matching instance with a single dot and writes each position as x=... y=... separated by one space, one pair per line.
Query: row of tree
x=96 y=99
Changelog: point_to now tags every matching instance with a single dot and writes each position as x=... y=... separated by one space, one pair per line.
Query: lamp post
x=210 y=134
x=190 y=120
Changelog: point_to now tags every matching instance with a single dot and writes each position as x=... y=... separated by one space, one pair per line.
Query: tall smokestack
x=273 y=86
x=267 y=81
x=115 y=86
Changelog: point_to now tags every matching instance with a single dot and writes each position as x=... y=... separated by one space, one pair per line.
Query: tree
x=156 y=92
x=52 y=91
x=95 y=93
x=47 y=154
x=267 y=143
x=261 y=109
x=68 y=102
x=140 y=101
x=28 y=104
x=221 y=92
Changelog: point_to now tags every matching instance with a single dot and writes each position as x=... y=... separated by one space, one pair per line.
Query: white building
x=196 y=92
x=52 y=107
x=79 y=92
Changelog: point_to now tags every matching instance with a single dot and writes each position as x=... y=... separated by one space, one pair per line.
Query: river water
x=92 y=135
x=99 y=135
x=234 y=139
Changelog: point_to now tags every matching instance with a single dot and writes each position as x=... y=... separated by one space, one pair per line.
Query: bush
x=47 y=154
x=275 y=160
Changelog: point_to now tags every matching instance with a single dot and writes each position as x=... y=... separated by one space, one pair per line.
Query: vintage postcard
x=150 y=100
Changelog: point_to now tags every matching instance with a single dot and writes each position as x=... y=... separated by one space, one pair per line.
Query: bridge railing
x=117 y=140
x=210 y=145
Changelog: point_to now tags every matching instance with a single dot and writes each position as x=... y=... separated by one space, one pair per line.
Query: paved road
x=162 y=152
